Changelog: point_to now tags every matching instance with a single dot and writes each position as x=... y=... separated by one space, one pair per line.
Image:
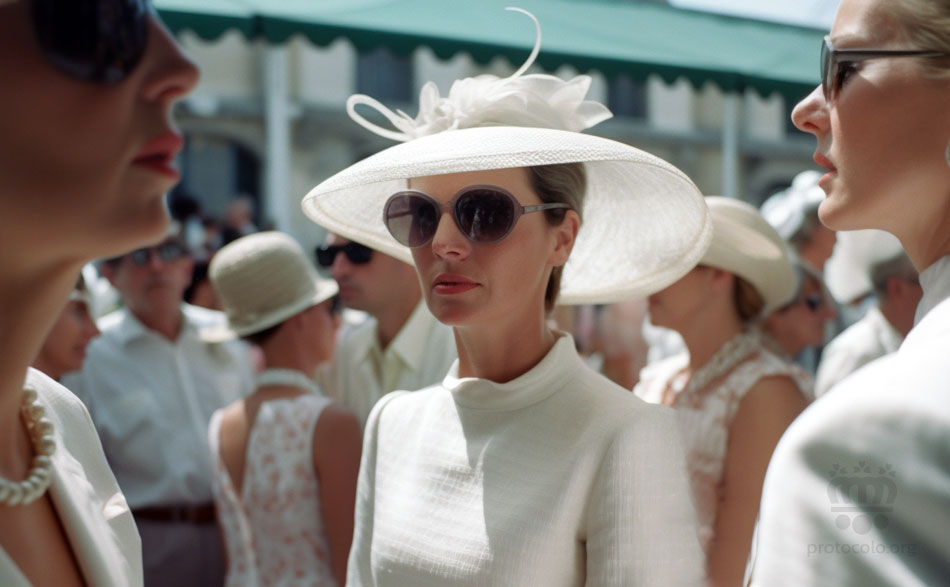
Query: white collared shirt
x=151 y=400
x=419 y=355
x=867 y=339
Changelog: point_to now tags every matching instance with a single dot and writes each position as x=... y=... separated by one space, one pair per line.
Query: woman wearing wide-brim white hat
x=733 y=397
x=523 y=467
x=285 y=456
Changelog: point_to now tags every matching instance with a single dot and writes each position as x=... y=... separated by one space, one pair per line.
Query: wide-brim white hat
x=788 y=209
x=644 y=222
x=262 y=280
x=745 y=244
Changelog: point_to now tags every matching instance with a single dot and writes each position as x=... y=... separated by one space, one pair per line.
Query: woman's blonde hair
x=926 y=24
x=565 y=183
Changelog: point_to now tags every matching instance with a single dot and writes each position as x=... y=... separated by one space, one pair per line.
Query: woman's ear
x=565 y=234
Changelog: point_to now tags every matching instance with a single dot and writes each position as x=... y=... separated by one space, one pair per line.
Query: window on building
x=627 y=97
x=384 y=76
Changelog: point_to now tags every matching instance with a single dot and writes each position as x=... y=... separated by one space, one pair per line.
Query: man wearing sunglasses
x=151 y=384
x=400 y=346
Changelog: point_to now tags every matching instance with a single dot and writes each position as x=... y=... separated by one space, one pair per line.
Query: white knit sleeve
x=641 y=522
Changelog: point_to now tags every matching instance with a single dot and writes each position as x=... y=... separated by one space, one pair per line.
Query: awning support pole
x=277 y=155
x=730 y=145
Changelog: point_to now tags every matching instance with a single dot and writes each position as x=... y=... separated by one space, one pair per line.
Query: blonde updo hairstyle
x=926 y=25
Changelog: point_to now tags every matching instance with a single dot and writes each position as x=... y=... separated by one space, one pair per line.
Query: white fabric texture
x=151 y=400
x=274 y=530
x=558 y=477
x=858 y=490
x=705 y=415
x=90 y=506
x=418 y=356
x=868 y=339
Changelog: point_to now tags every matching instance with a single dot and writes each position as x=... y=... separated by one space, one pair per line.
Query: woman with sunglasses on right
x=86 y=149
x=523 y=467
x=858 y=492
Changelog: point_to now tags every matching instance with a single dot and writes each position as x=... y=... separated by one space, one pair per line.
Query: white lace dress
x=705 y=411
x=274 y=531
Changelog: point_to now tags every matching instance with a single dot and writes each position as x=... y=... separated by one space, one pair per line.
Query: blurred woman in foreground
x=86 y=150
x=865 y=468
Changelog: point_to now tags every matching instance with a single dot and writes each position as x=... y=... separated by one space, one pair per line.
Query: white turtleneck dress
x=558 y=477
x=858 y=489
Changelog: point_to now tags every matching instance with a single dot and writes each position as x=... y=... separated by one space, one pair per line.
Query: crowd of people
x=448 y=390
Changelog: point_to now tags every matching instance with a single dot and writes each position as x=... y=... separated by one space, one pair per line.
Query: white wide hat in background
x=263 y=279
x=746 y=245
x=788 y=209
x=644 y=225
x=848 y=271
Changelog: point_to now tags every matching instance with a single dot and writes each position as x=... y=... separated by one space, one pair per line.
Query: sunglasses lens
x=140 y=257
x=484 y=215
x=412 y=219
x=325 y=255
x=92 y=40
x=826 y=64
x=170 y=252
x=357 y=253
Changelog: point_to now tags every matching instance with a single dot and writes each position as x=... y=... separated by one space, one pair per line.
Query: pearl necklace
x=44 y=445
x=288 y=377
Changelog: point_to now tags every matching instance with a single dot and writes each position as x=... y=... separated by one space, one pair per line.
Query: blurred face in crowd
x=65 y=346
x=152 y=282
x=801 y=323
x=883 y=131
x=84 y=162
x=682 y=303
x=321 y=322
x=370 y=286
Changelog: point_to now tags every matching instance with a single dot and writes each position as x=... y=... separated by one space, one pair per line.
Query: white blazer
x=92 y=509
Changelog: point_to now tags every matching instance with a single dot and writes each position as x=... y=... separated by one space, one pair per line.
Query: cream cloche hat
x=263 y=279
x=746 y=245
x=644 y=221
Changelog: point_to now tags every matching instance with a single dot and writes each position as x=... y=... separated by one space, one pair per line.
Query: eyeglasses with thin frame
x=356 y=254
x=483 y=213
x=166 y=252
x=836 y=63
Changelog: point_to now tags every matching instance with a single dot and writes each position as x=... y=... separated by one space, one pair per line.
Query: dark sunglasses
x=355 y=253
x=483 y=213
x=813 y=302
x=99 y=41
x=167 y=252
x=837 y=63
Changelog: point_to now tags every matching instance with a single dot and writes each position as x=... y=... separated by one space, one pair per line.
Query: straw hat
x=788 y=209
x=263 y=279
x=644 y=222
x=746 y=245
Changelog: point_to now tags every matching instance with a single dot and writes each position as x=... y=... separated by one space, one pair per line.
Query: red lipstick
x=449 y=284
x=159 y=154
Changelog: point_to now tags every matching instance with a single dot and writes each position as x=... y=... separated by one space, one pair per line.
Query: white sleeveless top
x=274 y=531
x=706 y=413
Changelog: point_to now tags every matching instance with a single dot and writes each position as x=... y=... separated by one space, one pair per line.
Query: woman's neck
x=704 y=337
x=502 y=353
x=32 y=295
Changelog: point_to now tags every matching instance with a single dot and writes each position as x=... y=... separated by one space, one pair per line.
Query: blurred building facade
x=228 y=139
